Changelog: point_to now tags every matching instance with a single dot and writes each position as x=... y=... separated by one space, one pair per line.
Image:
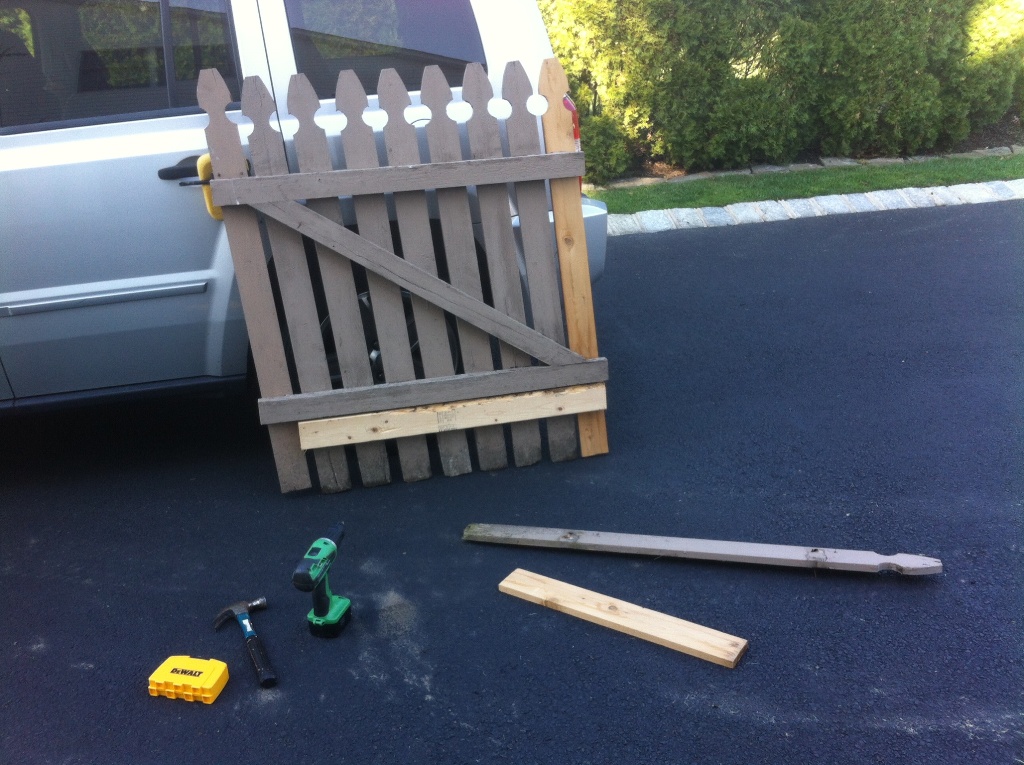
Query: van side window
x=108 y=59
x=368 y=36
x=24 y=96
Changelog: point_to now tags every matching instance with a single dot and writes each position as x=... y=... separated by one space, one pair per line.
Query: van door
x=111 y=273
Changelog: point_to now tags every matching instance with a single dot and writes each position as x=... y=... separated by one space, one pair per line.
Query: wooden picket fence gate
x=463 y=342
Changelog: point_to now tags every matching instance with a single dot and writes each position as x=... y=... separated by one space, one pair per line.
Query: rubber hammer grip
x=264 y=672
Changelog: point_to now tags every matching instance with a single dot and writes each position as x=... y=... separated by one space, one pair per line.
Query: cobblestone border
x=653 y=221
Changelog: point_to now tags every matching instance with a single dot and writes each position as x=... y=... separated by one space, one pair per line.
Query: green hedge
x=711 y=84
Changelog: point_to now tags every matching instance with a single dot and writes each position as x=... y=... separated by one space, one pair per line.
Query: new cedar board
x=654 y=626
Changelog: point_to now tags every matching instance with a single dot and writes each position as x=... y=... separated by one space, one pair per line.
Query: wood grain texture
x=538 y=241
x=253 y=281
x=704 y=549
x=293 y=279
x=499 y=244
x=340 y=290
x=570 y=235
x=442 y=418
x=502 y=382
x=360 y=147
x=398 y=272
x=418 y=248
x=456 y=220
x=412 y=177
x=654 y=626
x=502 y=299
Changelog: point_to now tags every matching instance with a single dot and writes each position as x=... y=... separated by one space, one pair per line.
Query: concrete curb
x=653 y=221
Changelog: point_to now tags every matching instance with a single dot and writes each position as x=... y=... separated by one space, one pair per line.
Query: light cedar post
x=572 y=246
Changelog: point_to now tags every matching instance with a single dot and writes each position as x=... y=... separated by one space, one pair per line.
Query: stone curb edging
x=653 y=221
x=823 y=162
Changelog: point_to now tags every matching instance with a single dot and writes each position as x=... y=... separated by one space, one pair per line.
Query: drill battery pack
x=182 y=677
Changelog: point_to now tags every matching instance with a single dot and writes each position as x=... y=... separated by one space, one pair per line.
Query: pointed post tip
x=212 y=92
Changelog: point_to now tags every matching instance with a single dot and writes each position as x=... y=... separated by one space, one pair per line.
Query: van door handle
x=186 y=168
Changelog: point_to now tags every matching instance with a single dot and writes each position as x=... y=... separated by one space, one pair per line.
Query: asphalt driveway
x=852 y=381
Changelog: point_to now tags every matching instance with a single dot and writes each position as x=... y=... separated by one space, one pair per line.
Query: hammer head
x=241 y=607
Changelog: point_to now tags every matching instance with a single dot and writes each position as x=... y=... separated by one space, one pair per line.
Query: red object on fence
x=568 y=103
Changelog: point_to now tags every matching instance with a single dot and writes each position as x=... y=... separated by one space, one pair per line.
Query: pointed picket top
x=442 y=131
x=221 y=133
x=399 y=135
x=357 y=137
x=310 y=138
x=482 y=127
x=521 y=124
x=557 y=120
x=265 y=143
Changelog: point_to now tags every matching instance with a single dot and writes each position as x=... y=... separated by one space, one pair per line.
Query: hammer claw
x=240 y=612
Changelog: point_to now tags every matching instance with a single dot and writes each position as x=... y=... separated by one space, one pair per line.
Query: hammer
x=257 y=653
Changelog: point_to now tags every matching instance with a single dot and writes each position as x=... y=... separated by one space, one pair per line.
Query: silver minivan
x=113 y=279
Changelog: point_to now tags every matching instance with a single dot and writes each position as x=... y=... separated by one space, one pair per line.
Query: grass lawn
x=726 y=190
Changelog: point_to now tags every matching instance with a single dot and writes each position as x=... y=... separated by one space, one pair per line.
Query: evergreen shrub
x=705 y=84
x=605 y=142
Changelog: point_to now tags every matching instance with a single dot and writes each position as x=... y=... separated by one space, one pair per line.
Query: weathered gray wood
x=254 y=289
x=499 y=243
x=503 y=382
x=703 y=549
x=418 y=249
x=399 y=272
x=538 y=241
x=412 y=177
x=293 y=279
x=460 y=251
x=285 y=224
x=570 y=234
x=336 y=273
x=253 y=281
x=374 y=226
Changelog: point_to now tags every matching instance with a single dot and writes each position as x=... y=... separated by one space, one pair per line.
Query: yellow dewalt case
x=182 y=677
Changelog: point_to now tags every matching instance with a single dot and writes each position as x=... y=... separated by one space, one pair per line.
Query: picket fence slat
x=538 y=242
x=425 y=304
x=456 y=222
x=484 y=135
x=253 y=280
x=385 y=297
x=293 y=279
x=340 y=292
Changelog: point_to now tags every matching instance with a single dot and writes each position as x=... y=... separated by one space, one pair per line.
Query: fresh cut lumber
x=654 y=626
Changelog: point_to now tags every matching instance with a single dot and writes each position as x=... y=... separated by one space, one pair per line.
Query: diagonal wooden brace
x=432 y=289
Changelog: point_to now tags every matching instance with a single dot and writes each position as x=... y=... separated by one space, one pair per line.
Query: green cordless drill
x=330 y=613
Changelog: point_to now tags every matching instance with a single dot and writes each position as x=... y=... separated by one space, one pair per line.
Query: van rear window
x=369 y=36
